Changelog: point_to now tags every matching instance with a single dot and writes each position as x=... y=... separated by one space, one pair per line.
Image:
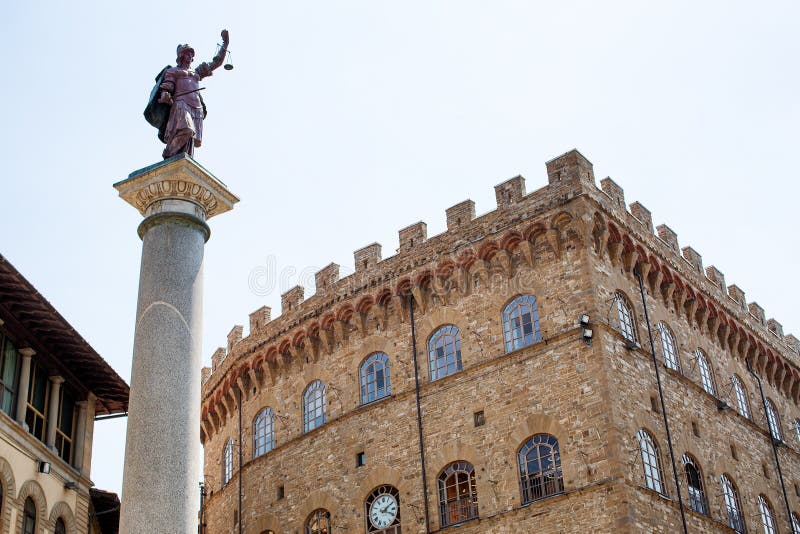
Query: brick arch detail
x=383 y=476
x=9 y=491
x=32 y=489
x=267 y=521
x=371 y=345
x=62 y=510
x=318 y=499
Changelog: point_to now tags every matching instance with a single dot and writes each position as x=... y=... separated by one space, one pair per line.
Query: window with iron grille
x=706 y=373
x=732 y=506
x=627 y=322
x=651 y=462
x=263 y=434
x=394 y=527
x=668 y=349
x=694 y=484
x=314 y=406
x=227 y=462
x=742 y=406
x=521 y=323
x=767 y=517
x=458 y=494
x=540 y=468
x=374 y=374
x=774 y=421
x=319 y=522
x=444 y=352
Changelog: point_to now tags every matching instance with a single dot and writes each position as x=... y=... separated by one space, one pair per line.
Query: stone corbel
x=615 y=252
x=311 y=348
x=327 y=338
x=526 y=250
x=629 y=260
x=504 y=259
x=554 y=239
x=643 y=266
x=602 y=240
x=702 y=318
x=400 y=311
x=419 y=298
x=691 y=309
x=339 y=332
x=667 y=291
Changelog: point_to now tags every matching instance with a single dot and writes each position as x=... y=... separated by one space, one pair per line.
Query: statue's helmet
x=183 y=48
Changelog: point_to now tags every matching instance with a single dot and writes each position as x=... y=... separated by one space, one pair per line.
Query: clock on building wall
x=383 y=511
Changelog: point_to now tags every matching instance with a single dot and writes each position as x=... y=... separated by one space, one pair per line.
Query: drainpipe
x=240 y=460
x=661 y=396
x=419 y=416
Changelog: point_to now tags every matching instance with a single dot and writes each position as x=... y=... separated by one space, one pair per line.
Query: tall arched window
x=444 y=352
x=767 y=517
x=774 y=421
x=319 y=522
x=539 y=468
x=227 y=462
x=263 y=432
x=521 y=323
x=61 y=527
x=694 y=484
x=742 y=406
x=732 y=506
x=627 y=321
x=651 y=462
x=374 y=374
x=29 y=517
x=706 y=374
x=668 y=349
x=314 y=406
x=382 y=511
x=458 y=494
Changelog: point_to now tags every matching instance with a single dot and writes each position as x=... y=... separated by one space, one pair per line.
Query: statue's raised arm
x=175 y=106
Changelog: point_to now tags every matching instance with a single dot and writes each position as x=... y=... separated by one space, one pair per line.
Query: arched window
x=668 y=349
x=29 y=517
x=314 y=406
x=382 y=509
x=521 y=323
x=375 y=378
x=444 y=352
x=263 y=432
x=227 y=462
x=706 y=374
x=732 y=506
x=319 y=522
x=742 y=406
x=694 y=483
x=61 y=528
x=651 y=462
x=539 y=468
x=767 y=517
x=627 y=322
x=795 y=524
x=458 y=494
x=774 y=421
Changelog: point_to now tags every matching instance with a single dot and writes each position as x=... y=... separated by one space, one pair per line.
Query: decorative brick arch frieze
x=267 y=522
x=9 y=494
x=62 y=510
x=32 y=489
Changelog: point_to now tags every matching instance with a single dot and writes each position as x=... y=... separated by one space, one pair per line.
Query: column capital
x=27 y=352
x=56 y=379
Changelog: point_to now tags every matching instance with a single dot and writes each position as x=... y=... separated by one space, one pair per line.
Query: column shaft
x=24 y=380
x=52 y=410
x=80 y=430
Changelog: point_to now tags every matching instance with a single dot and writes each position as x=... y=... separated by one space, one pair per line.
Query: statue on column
x=175 y=106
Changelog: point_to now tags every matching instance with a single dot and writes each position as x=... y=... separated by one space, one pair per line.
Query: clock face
x=383 y=511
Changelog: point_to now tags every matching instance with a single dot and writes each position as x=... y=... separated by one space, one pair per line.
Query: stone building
x=500 y=377
x=52 y=387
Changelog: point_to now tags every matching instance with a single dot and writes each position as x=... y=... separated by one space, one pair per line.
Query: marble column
x=80 y=432
x=162 y=450
x=24 y=383
x=52 y=411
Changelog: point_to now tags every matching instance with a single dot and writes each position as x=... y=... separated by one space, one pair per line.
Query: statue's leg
x=178 y=143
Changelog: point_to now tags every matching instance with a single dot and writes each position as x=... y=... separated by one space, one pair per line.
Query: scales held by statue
x=176 y=107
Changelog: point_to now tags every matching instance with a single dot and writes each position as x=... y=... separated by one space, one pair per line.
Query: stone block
x=572 y=166
x=737 y=295
x=235 y=336
x=259 y=318
x=326 y=278
x=205 y=374
x=218 y=357
x=716 y=277
x=775 y=327
x=757 y=312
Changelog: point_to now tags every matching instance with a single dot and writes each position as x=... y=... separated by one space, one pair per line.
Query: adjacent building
x=558 y=364
x=52 y=387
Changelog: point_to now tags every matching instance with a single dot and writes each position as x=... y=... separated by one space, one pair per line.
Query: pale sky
x=345 y=121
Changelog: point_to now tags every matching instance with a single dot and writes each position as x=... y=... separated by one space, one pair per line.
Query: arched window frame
x=314 y=406
x=742 y=405
x=29 y=516
x=706 y=372
x=458 y=494
x=694 y=485
x=669 y=348
x=539 y=462
x=318 y=522
x=651 y=462
x=263 y=432
x=767 y=515
x=627 y=319
x=732 y=505
x=444 y=352
x=61 y=527
x=375 y=378
x=227 y=461
x=395 y=526
x=774 y=420
x=521 y=323
x=795 y=524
